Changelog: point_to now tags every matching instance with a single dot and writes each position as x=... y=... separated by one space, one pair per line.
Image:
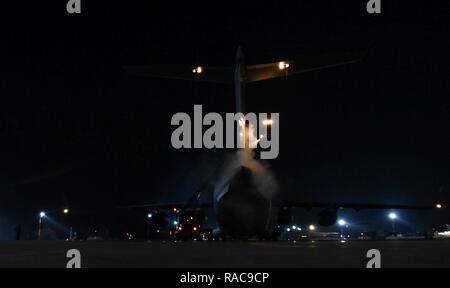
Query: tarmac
x=233 y=254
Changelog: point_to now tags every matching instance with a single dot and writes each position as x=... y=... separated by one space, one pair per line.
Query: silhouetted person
x=18 y=230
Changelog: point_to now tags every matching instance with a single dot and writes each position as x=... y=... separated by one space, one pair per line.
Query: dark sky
x=77 y=130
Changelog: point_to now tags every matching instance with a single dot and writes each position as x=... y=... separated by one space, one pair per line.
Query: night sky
x=76 y=130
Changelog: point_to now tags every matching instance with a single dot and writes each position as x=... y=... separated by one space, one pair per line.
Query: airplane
x=240 y=209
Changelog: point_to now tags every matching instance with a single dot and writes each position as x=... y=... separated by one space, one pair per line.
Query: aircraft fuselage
x=241 y=209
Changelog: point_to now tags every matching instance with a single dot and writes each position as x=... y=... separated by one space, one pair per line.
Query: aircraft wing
x=167 y=206
x=302 y=64
x=184 y=72
x=192 y=202
x=356 y=206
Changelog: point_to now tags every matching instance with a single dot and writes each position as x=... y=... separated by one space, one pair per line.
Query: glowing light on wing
x=283 y=65
x=197 y=70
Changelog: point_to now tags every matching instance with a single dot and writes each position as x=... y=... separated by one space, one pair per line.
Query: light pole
x=149 y=216
x=41 y=215
x=66 y=211
x=342 y=223
x=393 y=217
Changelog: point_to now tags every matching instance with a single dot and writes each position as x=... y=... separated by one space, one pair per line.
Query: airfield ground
x=395 y=253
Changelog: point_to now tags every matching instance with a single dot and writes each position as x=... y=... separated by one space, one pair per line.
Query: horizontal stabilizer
x=300 y=65
x=184 y=72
